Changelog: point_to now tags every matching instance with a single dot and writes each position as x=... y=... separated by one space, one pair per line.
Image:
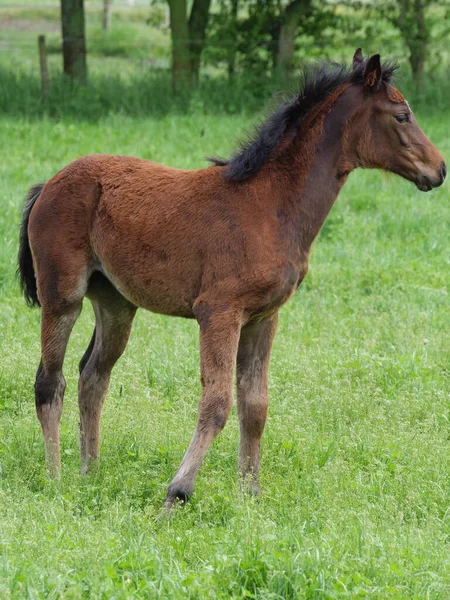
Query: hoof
x=54 y=473
x=255 y=490
x=89 y=467
x=250 y=485
x=177 y=494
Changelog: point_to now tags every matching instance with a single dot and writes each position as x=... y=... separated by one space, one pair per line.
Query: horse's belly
x=159 y=288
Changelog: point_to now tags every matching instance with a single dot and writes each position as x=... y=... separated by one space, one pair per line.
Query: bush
x=150 y=94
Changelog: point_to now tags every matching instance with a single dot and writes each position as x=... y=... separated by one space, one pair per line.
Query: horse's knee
x=49 y=387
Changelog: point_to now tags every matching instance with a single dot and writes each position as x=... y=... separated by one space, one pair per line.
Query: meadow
x=355 y=469
x=355 y=461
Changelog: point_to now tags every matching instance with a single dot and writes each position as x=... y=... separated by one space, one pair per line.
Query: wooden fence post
x=106 y=14
x=43 y=67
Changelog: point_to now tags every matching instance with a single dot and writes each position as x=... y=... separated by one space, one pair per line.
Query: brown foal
x=226 y=245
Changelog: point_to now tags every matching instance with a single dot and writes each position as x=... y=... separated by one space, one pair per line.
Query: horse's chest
x=284 y=285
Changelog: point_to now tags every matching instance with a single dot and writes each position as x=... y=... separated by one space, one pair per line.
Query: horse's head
x=385 y=134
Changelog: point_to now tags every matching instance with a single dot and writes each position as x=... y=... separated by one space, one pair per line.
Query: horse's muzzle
x=426 y=183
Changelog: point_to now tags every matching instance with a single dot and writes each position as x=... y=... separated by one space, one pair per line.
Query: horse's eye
x=402 y=118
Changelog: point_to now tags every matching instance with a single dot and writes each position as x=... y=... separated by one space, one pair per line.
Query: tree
x=415 y=20
x=261 y=38
x=188 y=40
x=289 y=24
x=197 y=33
x=411 y=22
x=181 y=60
x=74 y=41
x=233 y=28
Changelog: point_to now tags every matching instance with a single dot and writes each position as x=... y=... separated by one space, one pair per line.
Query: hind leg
x=62 y=270
x=114 y=317
x=87 y=354
x=50 y=383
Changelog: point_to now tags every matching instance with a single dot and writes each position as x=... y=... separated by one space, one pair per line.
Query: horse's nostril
x=443 y=170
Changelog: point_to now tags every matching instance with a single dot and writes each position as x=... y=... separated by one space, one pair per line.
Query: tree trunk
x=197 y=32
x=181 y=59
x=106 y=15
x=412 y=26
x=417 y=59
x=418 y=46
x=74 y=42
x=274 y=31
x=289 y=25
x=232 y=54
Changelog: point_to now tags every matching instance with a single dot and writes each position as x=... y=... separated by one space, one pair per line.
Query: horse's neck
x=317 y=174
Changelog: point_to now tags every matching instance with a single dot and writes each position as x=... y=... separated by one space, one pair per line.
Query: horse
x=227 y=244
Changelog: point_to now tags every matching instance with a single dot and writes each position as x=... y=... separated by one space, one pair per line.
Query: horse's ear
x=357 y=59
x=372 y=74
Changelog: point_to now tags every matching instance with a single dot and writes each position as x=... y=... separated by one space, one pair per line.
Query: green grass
x=355 y=462
x=356 y=453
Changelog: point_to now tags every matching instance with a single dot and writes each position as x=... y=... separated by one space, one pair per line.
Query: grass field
x=356 y=453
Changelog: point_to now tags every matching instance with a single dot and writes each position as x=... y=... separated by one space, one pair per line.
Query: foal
x=226 y=245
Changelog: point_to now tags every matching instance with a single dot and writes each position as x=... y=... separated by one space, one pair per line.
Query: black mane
x=316 y=84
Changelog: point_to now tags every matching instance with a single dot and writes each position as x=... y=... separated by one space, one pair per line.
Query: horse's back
x=161 y=235
x=70 y=199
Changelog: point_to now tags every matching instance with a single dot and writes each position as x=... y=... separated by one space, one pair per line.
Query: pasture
x=355 y=460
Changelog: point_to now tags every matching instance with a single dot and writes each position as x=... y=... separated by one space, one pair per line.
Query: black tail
x=26 y=270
